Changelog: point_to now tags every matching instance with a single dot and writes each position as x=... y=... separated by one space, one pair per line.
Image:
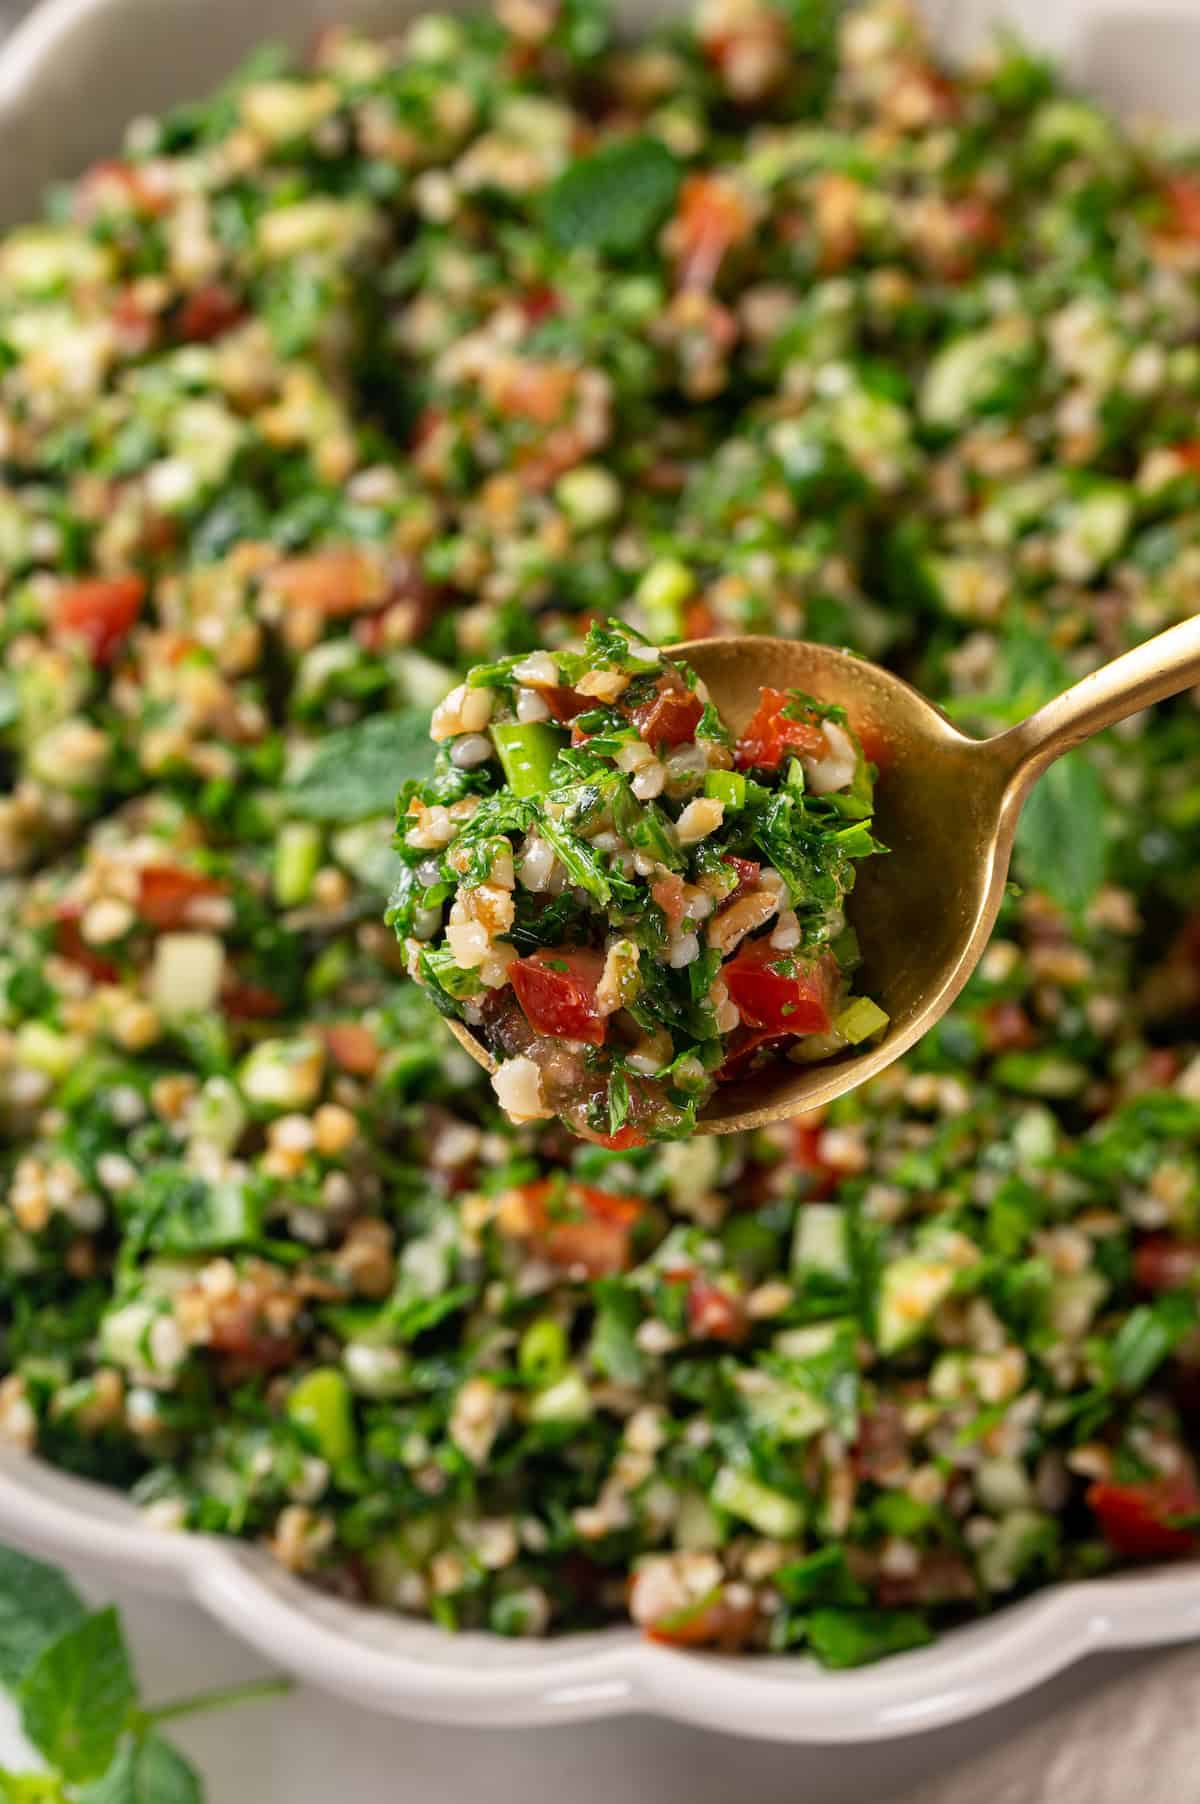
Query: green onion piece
x=728 y=786
x=321 y=1405
x=297 y=858
x=527 y=752
x=860 y=1019
x=542 y=1355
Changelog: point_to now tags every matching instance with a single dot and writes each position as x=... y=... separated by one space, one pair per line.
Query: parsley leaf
x=615 y=199
x=358 y=771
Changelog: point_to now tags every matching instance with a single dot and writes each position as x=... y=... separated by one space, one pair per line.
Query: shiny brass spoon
x=947 y=809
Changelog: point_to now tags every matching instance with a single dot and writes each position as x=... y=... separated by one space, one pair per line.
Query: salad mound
x=433 y=350
x=629 y=904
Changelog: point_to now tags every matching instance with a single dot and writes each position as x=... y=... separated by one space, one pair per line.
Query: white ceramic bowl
x=69 y=78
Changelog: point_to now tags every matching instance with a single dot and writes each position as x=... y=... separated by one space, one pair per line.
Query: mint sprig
x=70 y=1673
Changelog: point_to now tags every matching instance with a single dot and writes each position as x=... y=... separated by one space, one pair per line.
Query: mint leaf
x=76 y=1696
x=146 y=1772
x=615 y=199
x=358 y=771
x=1061 y=845
x=36 y=1605
x=30 y=1788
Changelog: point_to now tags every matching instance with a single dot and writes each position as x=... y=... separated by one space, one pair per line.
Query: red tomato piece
x=1160 y=1262
x=804 y=1156
x=713 y=1622
x=166 y=894
x=713 y=216
x=793 y=999
x=668 y=893
x=70 y=944
x=1137 y=1520
x=339 y=581
x=742 y=1048
x=592 y=1230
x=670 y=718
x=352 y=1047
x=539 y=303
x=1181 y=194
x=620 y=1142
x=746 y=871
x=564 y=703
x=769 y=734
x=209 y=311
x=557 y=992
x=100 y=613
x=1007 y=1028
x=713 y=1314
x=244 y=1001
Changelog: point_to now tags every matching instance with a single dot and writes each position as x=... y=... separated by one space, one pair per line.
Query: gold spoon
x=946 y=808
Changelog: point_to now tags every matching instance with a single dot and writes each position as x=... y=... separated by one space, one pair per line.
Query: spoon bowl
x=924 y=910
x=946 y=807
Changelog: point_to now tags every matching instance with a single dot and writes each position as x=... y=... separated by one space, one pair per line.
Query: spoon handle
x=1149 y=673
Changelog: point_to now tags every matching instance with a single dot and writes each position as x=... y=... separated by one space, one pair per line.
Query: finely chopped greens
x=631 y=905
x=305 y=409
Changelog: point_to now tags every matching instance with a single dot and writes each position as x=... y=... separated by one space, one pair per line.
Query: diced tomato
x=239 y=1334
x=804 y=1156
x=540 y=392
x=564 y=703
x=1007 y=1028
x=1138 y=1520
x=699 y=621
x=336 y=582
x=1181 y=196
x=557 y=992
x=746 y=872
x=135 y=323
x=713 y=1314
x=670 y=718
x=875 y=747
x=539 y=303
x=70 y=944
x=113 y=186
x=713 y=1622
x=100 y=613
x=796 y=999
x=1188 y=454
x=166 y=894
x=1161 y=1262
x=593 y=1229
x=208 y=311
x=770 y=734
x=620 y=1142
x=713 y=216
x=742 y=1048
x=668 y=893
x=352 y=1047
x=245 y=1001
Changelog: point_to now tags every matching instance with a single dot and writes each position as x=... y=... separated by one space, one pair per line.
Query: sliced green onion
x=860 y=1019
x=542 y=1355
x=297 y=859
x=527 y=752
x=728 y=786
x=321 y=1405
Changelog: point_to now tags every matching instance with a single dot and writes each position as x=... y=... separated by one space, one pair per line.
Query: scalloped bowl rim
x=408 y=1667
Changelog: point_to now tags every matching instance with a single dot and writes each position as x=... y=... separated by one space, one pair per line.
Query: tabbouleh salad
x=433 y=351
x=637 y=909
